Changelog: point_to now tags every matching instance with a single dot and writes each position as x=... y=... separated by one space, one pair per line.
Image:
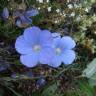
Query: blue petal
x=68 y=56
x=16 y=14
x=29 y=20
x=46 y=38
x=5 y=13
x=46 y=55
x=18 y=23
x=22 y=46
x=55 y=35
x=56 y=62
x=31 y=34
x=57 y=42
x=67 y=42
x=25 y=20
x=31 y=12
x=30 y=60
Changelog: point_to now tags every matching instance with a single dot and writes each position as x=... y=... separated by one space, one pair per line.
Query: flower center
x=36 y=48
x=58 y=50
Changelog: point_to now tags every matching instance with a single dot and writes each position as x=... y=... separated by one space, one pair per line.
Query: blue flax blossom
x=5 y=13
x=63 y=51
x=35 y=46
x=23 y=18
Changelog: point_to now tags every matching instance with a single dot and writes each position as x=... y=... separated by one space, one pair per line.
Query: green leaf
x=90 y=70
x=92 y=80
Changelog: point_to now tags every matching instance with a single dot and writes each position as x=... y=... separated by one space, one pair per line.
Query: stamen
x=37 y=48
x=58 y=50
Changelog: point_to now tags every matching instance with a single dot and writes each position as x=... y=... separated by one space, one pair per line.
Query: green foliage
x=86 y=89
x=56 y=22
x=92 y=81
x=90 y=70
x=90 y=73
x=49 y=90
x=1 y=92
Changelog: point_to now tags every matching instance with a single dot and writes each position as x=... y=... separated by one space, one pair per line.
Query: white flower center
x=36 y=48
x=58 y=50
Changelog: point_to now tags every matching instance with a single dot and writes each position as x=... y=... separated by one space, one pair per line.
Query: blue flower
x=5 y=13
x=35 y=46
x=22 y=18
x=63 y=51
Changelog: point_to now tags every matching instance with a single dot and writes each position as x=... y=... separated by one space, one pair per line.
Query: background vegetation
x=76 y=18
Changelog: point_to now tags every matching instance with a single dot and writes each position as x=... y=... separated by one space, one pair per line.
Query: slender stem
x=24 y=77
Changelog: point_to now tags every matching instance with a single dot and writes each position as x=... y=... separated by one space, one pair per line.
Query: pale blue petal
x=31 y=12
x=68 y=56
x=57 y=42
x=46 y=38
x=25 y=20
x=56 y=61
x=56 y=35
x=30 y=60
x=67 y=42
x=31 y=34
x=22 y=46
x=18 y=23
x=16 y=14
x=29 y=20
x=46 y=55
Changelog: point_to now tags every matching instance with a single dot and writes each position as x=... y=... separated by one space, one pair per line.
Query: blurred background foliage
x=76 y=18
